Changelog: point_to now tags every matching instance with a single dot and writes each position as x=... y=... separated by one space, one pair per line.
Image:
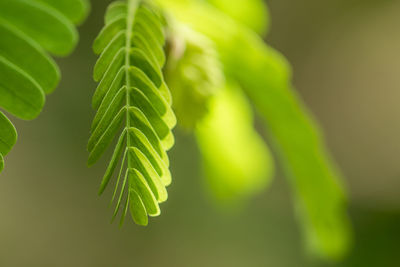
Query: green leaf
x=132 y=95
x=137 y=208
x=8 y=135
x=251 y=13
x=144 y=191
x=265 y=75
x=113 y=163
x=29 y=56
x=75 y=10
x=318 y=191
x=115 y=10
x=45 y=25
x=8 y=138
x=20 y=94
x=1 y=162
x=29 y=28
x=194 y=74
x=237 y=162
x=103 y=135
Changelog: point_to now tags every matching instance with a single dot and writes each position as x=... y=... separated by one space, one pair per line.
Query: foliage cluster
x=204 y=61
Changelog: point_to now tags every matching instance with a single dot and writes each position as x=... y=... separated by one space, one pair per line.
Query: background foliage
x=338 y=65
x=30 y=30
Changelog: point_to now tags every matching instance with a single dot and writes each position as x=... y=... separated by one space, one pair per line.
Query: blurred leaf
x=237 y=161
x=74 y=10
x=319 y=194
x=193 y=73
x=132 y=95
x=265 y=75
x=1 y=162
x=27 y=72
x=20 y=95
x=47 y=26
x=252 y=13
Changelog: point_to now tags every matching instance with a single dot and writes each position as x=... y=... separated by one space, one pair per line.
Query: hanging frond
x=134 y=106
x=29 y=28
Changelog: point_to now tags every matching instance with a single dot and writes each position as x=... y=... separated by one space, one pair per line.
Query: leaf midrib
x=132 y=7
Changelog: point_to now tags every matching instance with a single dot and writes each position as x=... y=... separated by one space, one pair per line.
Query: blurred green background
x=346 y=63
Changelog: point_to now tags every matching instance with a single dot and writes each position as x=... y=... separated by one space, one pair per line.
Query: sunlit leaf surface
x=133 y=106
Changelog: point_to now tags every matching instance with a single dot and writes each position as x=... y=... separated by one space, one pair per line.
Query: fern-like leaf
x=133 y=101
x=29 y=28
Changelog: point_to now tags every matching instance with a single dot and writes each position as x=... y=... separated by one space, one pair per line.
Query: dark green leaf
x=20 y=94
x=1 y=162
x=27 y=55
x=75 y=10
x=8 y=135
x=28 y=28
x=45 y=25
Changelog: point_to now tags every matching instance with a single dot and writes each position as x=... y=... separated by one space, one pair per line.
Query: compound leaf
x=134 y=104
